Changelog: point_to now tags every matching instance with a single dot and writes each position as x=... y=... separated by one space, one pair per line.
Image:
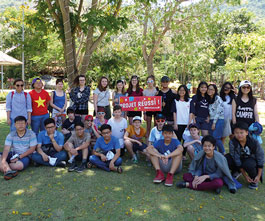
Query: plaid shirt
x=80 y=98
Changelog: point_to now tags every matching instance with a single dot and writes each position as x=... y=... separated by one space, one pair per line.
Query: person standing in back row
x=168 y=95
x=40 y=102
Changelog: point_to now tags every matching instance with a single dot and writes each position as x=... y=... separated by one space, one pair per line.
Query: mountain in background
x=257 y=7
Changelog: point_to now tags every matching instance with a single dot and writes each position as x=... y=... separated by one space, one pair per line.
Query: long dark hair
x=211 y=100
x=123 y=88
x=186 y=96
x=76 y=80
x=231 y=93
x=198 y=93
x=252 y=99
x=131 y=86
x=100 y=86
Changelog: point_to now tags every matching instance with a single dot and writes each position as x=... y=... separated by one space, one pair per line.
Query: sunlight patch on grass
x=255 y=208
x=117 y=189
x=61 y=170
x=89 y=173
x=19 y=192
x=165 y=207
x=127 y=168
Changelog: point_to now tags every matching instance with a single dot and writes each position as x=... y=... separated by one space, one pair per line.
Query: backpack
x=13 y=92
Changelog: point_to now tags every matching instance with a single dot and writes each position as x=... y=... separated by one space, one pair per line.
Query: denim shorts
x=25 y=160
x=136 y=147
x=201 y=123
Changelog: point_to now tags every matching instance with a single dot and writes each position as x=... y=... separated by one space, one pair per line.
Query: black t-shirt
x=167 y=98
x=71 y=125
x=245 y=111
x=200 y=108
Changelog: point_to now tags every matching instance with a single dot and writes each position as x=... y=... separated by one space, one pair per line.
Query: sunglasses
x=19 y=85
x=89 y=120
x=228 y=88
x=101 y=113
x=160 y=121
x=245 y=87
x=150 y=81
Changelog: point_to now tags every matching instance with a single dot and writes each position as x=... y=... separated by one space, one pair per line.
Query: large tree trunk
x=150 y=67
x=69 y=48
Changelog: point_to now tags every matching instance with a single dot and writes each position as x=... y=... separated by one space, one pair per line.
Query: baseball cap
x=101 y=109
x=246 y=82
x=165 y=79
x=137 y=118
x=160 y=116
x=34 y=81
x=193 y=126
x=89 y=117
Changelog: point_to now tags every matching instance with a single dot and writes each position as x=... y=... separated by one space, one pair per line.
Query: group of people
x=197 y=126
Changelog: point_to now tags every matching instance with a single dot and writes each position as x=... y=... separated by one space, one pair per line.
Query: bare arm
x=83 y=146
x=191 y=142
x=256 y=114
x=95 y=99
x=126 y=137
x=176 y=152
x=28 y=152
x=233 y=111
x=153 y=152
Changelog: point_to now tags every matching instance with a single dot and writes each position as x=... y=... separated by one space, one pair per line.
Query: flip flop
x=10 y=174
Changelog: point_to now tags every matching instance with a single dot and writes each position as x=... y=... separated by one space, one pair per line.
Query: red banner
x=142 y=103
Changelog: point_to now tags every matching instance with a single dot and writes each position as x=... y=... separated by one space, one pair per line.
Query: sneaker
x=72 y=167
x=253 y=186
x=169 y=180
x=236 y=175
x=233 y=191
x=134 y=159
x=10 y=174
x=181 y=184
x=218 y=190
x=159 y=177
x=81 y=168
x=61 y=164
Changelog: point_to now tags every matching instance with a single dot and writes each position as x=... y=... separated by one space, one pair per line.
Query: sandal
x=10 y=174
x=119 y=170
x=89 y=165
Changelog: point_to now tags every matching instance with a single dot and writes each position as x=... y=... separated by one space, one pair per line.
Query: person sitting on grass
x=193 y=142
x=166 y=156
x=133 y=138
x=50 y=146
x=77 y=147
x=207 y=170
x=245 y=155
x=69 y=123
x=91 y=129
x=23 y=143
x=106 y=152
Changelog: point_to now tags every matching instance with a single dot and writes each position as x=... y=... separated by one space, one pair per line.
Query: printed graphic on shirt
x=244 y=112
x=40 y=102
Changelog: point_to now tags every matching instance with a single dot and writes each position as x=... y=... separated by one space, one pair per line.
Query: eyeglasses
x=19 y=85
x=245 y=87
x=150 y=81
x=50 y=127
x=160 y=121
x=105 y=133
x=79 y=129
x=101 y=113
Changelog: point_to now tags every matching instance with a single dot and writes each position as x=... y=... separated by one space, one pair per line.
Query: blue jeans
x=37 y=123
x=103 y=165
x=61 y=156
x=218 y=133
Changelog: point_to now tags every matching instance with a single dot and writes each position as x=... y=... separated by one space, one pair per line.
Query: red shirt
x=135 y=94
x=39 y=102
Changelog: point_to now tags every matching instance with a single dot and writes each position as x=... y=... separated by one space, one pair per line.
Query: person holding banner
x=150 y=91
x=168 y=95
x=119 y=92
x=134 y=90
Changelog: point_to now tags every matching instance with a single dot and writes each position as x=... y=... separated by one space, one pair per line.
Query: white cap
x=137 y=118
x=246 y=82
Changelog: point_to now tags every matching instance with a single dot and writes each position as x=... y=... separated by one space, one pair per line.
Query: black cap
x=193 y=126
x=165 y=79
x=160 y=116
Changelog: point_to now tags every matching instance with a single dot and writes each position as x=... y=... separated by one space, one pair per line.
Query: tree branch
x=51 y=9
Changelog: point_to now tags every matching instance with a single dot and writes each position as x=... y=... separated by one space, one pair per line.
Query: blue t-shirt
x=101 y=146
x=162 y=148
x=43 y=138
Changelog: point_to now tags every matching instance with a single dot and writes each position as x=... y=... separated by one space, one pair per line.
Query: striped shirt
x=21 y=144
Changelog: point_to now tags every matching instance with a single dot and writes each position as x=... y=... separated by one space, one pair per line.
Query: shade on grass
x=54 y=194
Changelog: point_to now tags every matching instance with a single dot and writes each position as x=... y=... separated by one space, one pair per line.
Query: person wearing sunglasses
x=227 y=94
x=100 y=119
x=91 y=129
x=244 y=107
x=18 y=103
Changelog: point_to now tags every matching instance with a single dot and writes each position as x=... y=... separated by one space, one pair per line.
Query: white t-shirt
x=118 y=129
x=183 y=111
x=227 y=108
x=155 y=135
x=103 y=97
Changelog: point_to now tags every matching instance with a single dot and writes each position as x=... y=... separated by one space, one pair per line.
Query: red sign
x=142 y=103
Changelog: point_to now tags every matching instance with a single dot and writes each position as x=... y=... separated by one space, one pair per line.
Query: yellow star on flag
x=40 y=102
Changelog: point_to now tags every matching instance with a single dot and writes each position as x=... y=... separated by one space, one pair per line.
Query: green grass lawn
x=54 y=194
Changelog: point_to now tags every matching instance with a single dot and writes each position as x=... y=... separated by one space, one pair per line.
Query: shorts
x=81 y=112
x=227 y=128
x=150 y=113
x=166 y=167
x=54 y=112
x=134 y=113
x=136 y=147
x=201 y=123
x=25 y=160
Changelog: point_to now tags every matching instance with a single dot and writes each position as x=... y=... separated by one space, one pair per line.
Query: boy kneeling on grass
x=245 y=155
x=166 y=156
x=207 y=169
x=106 y=152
